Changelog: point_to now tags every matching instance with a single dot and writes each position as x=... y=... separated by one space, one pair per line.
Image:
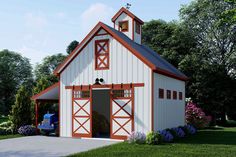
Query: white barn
x=112 y=74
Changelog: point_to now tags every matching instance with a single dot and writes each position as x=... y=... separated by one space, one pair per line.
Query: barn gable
x=145 y=54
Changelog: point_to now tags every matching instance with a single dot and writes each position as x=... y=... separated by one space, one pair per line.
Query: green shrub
x=6 y=131
x=153 y=138
x=6 y=128
x=6 y=124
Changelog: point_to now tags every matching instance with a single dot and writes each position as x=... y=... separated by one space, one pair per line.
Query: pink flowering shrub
x=195 y=116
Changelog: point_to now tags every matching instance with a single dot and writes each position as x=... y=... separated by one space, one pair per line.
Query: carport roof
x=50 y=93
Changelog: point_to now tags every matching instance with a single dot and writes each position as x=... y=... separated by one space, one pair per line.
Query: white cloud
x=95 y=13
x=35 y=55
x=37 y=21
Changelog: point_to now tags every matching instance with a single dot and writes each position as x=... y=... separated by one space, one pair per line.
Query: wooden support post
x=36 y=115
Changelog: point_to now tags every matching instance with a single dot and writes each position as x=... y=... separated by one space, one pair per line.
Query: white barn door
x=122 y=113
x=81 y=114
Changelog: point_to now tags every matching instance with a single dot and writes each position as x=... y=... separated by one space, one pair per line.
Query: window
x=127 y=93
x=174 y=95
x=102 y=54
x=180 y=96
x=161 y=93
x=81 y=94
x=124 y=26
x=168 y=94
x=137 y=27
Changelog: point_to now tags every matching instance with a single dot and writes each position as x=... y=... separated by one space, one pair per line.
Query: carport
x=49 y=95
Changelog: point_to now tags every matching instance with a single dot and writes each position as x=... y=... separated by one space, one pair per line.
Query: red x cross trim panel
x=81 y=117
x=122 y=116
x=102 y=54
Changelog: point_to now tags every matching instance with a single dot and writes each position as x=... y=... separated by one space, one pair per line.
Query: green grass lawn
x=3 y=137
x=218 y=142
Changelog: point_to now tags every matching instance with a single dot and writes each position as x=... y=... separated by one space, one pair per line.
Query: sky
x=37 y=29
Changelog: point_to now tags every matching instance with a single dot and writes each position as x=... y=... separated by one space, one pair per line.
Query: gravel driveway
x=42 y=146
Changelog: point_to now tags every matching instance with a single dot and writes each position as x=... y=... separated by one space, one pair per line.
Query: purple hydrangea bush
x=27 y=130
x=195 y=116
x=166 y=136
x=179 y=132
x=191 y=129
x=137 y=137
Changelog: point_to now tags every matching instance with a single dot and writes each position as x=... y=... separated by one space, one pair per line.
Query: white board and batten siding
x=168 y=113
x=124 y=68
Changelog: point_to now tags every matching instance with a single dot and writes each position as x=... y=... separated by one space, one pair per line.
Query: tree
x=15 y=71
x=21 y=110
x=171 y=40
x=46 y=68
x=41 y=85
x=229 y=16
x=212 y=67
x=72 y=46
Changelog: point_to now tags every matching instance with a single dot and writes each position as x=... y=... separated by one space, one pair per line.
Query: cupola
x=129 y=24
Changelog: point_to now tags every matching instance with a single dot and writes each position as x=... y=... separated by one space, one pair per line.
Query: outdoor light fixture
x=98 y=81
x=101 y=80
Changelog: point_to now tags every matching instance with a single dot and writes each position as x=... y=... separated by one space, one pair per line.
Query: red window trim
x=174 y=95
x=180 y=96
x=106 y=54
x=161 y=93
x=137 y=28
x=126 y=21
x=168 y=94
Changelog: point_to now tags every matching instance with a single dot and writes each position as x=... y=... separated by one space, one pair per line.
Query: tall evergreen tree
x=21 y=110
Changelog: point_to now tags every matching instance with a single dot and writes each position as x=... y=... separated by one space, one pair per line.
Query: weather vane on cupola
x=127 y=6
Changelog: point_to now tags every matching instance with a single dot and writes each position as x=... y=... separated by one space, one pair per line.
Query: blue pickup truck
x=49 y=124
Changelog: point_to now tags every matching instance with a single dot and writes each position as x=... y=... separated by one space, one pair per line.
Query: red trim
x=133 y=29
x=100 y=62
x=152 y=103
x=36 y=116
x=128 y=13
x=88 y=116
x=167 y=73
x=45 y=91
x=59 y=107
x=112 y=86
x=129 y=117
